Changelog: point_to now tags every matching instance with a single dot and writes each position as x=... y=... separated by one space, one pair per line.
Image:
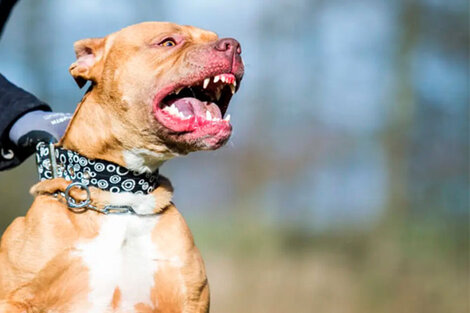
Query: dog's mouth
x=199 y=106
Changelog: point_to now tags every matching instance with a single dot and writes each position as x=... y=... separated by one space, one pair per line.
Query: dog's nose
x=228 y=45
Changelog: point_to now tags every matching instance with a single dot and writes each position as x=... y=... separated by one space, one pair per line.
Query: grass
x=410 y=267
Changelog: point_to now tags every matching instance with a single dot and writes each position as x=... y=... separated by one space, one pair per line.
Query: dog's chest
x=121 y=257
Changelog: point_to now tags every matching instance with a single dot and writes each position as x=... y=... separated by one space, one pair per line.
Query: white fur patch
x=124 y=256
x=145 y=161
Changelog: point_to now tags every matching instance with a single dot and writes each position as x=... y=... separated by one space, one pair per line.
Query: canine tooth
x=208 y=115
x=235 y=82
x=177 y=91
x=227 y=118
x=232 y=87
x=216 y=78
x=206 y=83
x=223 y=79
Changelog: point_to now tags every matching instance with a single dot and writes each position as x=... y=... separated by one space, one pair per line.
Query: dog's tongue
x=192 y=106
x=185 y=105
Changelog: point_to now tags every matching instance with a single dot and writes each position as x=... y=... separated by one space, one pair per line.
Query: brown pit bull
x=158 y=90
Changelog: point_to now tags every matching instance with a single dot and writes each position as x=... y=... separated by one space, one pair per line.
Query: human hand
x=37 y=126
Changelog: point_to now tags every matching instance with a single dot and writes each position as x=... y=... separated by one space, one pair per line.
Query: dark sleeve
x=14 y=102
x=5 y=8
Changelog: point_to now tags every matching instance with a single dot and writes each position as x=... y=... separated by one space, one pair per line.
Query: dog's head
x=167 y=85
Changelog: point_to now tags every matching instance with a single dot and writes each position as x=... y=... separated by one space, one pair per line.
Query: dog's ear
x=89 y=54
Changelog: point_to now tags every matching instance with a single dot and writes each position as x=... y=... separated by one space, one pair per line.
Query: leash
x=56 y=162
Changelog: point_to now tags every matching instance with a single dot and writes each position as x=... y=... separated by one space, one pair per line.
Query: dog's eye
x=169 y=42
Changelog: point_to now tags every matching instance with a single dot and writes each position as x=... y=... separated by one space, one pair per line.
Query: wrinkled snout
x=230 y=48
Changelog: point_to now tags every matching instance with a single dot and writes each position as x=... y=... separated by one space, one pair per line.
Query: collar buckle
x=52 y=158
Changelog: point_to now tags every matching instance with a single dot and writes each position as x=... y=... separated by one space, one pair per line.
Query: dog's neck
x=91 y=132
x=97 y=132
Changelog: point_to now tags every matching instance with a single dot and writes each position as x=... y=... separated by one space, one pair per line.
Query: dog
x=158 y=90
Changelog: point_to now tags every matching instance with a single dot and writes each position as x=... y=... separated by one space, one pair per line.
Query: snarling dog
x=113 y=241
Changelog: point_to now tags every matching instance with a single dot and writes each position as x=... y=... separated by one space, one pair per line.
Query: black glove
x=37 y=126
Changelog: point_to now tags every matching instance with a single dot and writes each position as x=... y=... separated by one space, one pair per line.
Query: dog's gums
x=198 y=108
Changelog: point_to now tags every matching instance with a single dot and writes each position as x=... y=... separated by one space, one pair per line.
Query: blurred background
x=345 y=185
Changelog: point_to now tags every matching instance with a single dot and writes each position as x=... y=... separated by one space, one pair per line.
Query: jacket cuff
x=14 y=103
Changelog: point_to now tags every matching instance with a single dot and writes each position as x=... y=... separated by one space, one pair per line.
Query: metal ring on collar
x=79 y=205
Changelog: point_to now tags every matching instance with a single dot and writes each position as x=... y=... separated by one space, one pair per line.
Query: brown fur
x=38 y=272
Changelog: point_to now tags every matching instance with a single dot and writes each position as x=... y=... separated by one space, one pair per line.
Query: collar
x=56 y=162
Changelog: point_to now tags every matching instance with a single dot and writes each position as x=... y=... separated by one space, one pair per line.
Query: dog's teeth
x=216 y=78
x=208 y=115
x=234 y=83
x=223 y=79
x=177 y=91
x=232 y=87
x=227 y=118
x=206 y=83
x=173 y=110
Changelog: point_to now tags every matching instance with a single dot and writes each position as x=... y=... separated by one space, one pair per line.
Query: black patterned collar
x=96 y=173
